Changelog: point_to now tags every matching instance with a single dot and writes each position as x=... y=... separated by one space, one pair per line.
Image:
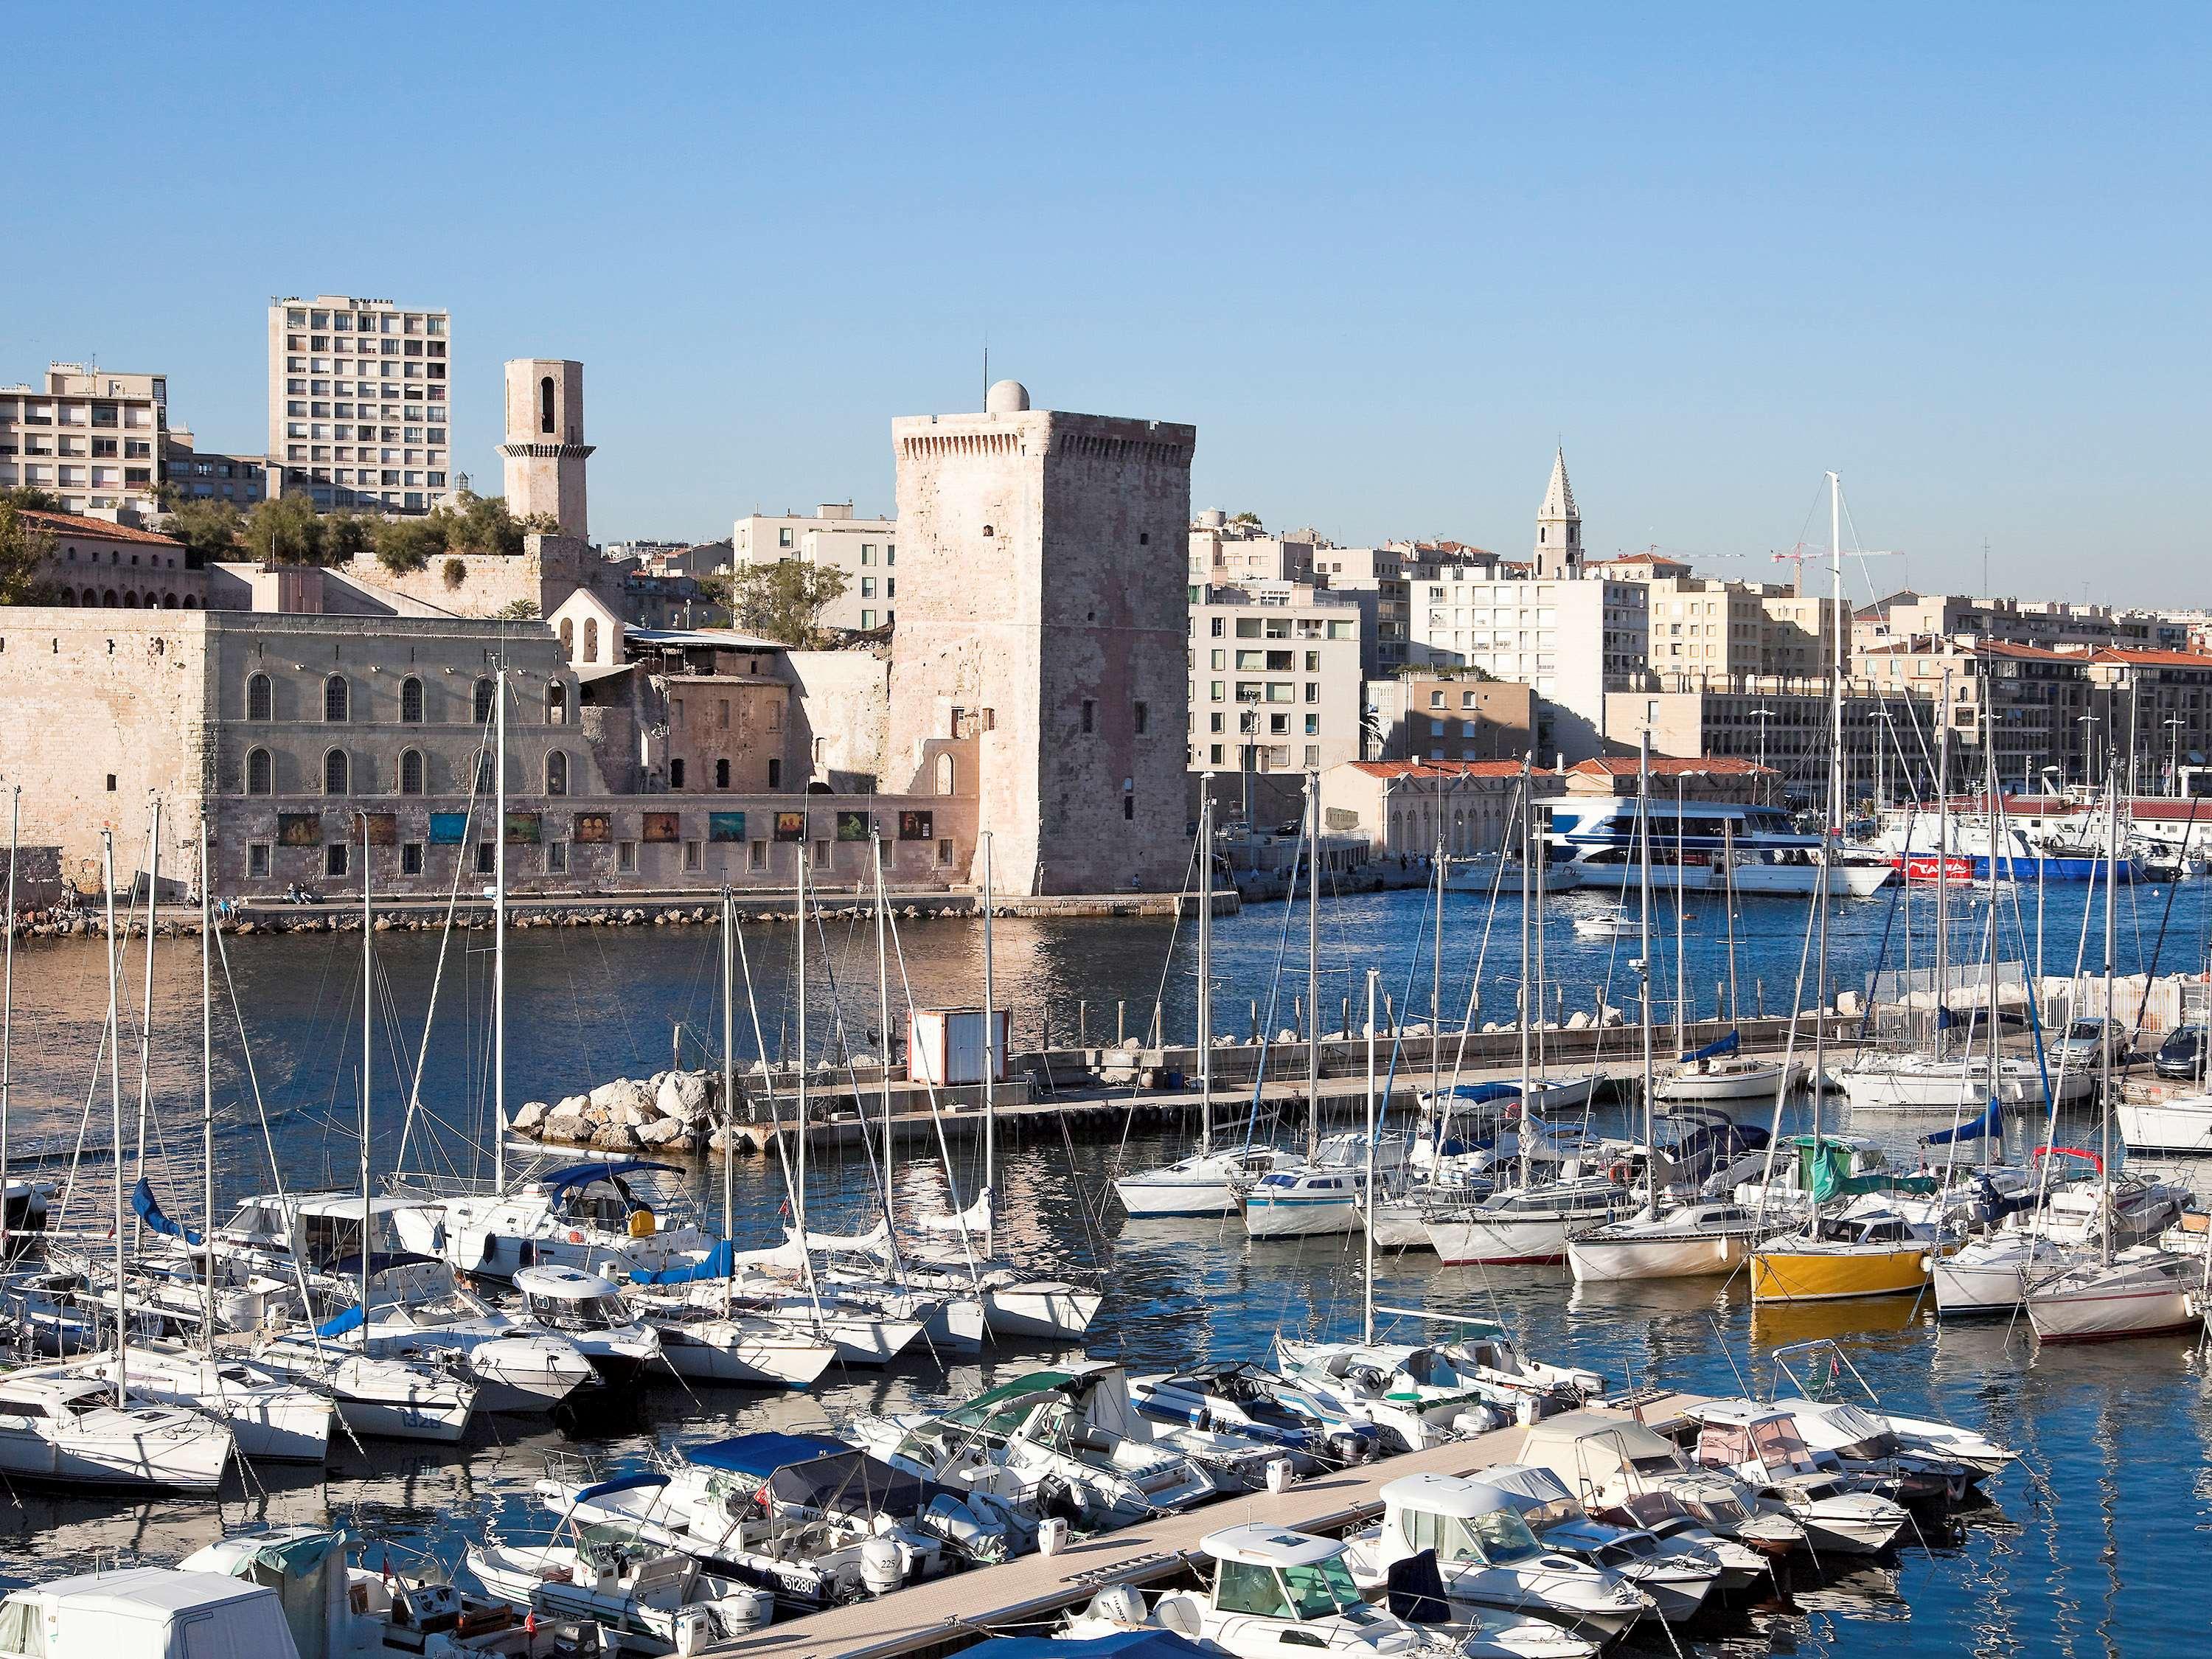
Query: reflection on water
x=2074 y=1557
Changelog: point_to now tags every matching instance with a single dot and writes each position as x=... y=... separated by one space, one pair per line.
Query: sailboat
x=1870 y=1249
x=2142 y=1290
x=1719 y=1072
x=1212 y=1180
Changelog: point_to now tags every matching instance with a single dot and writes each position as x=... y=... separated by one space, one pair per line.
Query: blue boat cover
x=1989 y=1124
x=1715 y=1049
x=1123 y=1644
x=142 y=1200
x=720 y=1262
x=581 y=1174
x=764 y=1454
x=1481 y=1094
x=347 y=1321
x=621 y=1483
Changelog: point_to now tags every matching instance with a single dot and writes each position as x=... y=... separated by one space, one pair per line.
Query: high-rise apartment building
x=358 y=412
x=1274 y=678
x=94 y=439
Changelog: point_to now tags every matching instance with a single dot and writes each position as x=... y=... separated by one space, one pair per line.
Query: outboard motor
x=1118 y=1604
x=975 y=1536
x=883 y=1565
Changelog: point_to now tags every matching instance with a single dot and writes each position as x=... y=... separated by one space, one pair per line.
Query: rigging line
x=438 y=973
x=936 y=1118
x=1274 y=1001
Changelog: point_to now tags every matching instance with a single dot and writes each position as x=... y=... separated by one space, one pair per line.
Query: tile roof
x=1671 y=766
x=70 y=524
x=2145 y=658
x=1445 y=769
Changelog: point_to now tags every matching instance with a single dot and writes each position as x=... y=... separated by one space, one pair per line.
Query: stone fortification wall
x=840 y=709
x=546 y=571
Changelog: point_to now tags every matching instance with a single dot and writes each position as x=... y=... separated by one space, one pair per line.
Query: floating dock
x=928 y=1620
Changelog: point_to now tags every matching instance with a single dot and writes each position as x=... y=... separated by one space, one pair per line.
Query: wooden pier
x=926 y=1621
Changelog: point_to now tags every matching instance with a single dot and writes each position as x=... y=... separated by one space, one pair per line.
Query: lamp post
x=2174 y=725
x=1762 y=712
x=2088 y=749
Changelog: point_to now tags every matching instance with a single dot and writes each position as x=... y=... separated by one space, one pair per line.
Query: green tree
x=208 y=530
x=518 y=611
x=31 y=497
x=783 y=601
x=482 y=523
x=406 y=544
x=286 y=530
x=347 y=536
x=24 y=549
x=1248 y=519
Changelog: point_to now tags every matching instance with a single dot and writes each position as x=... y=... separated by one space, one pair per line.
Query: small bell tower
x=544 y=451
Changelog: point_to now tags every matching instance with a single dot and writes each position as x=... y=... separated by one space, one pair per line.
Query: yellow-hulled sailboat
x=1870 y=1249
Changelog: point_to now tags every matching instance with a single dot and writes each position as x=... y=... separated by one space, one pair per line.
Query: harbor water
x=2088 y=1547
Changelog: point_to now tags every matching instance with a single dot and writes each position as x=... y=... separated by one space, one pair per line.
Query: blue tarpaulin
x=1481 y=1094
x=347 y=1321
x=764 y=1454
x=1715 y=1049
x=1989 y=1124
x=720 y=1262
x=142 y=1200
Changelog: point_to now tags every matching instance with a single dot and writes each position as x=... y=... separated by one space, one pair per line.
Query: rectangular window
x=1090 y=716
x=822 y=855
x=691 y=854
x=334 y=857
x=1143 y=715
x=626 y=857
x=944 y=850
x=1313 y=754
x=1313 y=690
x=257 y=858
x=556 y=857
x=410 y=858
x=867 y=619
x=867 y=587
x=487 y=856
x=759 y=858
x=1313 y=726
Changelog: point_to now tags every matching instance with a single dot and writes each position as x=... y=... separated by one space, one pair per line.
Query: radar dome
x=1006 y=398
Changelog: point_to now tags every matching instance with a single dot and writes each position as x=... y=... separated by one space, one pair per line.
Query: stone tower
x=545 y=449
x=1559 y=525
x=1043 y=608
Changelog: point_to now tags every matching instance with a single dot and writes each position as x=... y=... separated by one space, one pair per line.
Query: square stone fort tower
x=1043 y=608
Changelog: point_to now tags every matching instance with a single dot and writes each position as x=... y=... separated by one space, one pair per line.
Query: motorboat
x=143 y=1612
x=1595 y=839
x=270 y=1416
x=2142 y=1290
x=814 y=1520
x=1608 y=924
x=590 y=1312
x=1485 y=1351
x=1204 y=1184
x=602 y=1216
x=1031 y=1444
x=1275 y=1590
x=1305 y=1424
x=1622 y=1469
x=1488 y=1557
x=1857 y=1441
x=68 y=1429
x=1419 y=1397
x=1674 y=1574
x=2174 y=1124
x=649 y=1598
x=1760 y=1444
x=1529 y=1224
x=1690 y=1240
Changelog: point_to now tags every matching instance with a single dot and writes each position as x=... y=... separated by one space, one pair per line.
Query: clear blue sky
x=1380 y=256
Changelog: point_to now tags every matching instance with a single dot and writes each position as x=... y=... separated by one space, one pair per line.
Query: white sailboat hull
x=2143 y=1299
x=184 y=1453
x=377 y=1400
x=1467 y=1241
x=1602 y=1261
x=1301 y=1215
x=1156 y=1194
x=1048 y=1311
x=2180 y=1125
x=1756 y=1080
x=741 y=1352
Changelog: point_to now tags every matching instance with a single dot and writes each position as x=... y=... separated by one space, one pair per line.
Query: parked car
x=2182 y=1054
x=2087 y=1038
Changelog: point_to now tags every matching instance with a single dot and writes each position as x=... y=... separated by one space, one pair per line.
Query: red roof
x=2147 y=659
x=1673 y=766
x=70 y=524
x=1446 y=769
x=1943 y=645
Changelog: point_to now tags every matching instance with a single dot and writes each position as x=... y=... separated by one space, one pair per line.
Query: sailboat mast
x=498 y=929
x=883 y=1025
x=1528 y=1002
x=368 y=1062
x=798 y=1186
x=115 y=1118
x=146 y=1007
x=990 y=1068
x=207 y=1100
x=1728 y=896
x=1367 y=1309
x=1644 y=959
x=1437 y=980
x=8 y=1005
x=1205 y=965
x=1313 y=964
x=729 y=1062
x=2105 y=1043
x=1681 y=914
x=1831 y=834
x=1943 y=870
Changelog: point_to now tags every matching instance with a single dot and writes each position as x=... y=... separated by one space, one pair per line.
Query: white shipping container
x=944 y=1047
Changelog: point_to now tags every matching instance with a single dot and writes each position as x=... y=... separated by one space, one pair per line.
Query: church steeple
x=1558 y=524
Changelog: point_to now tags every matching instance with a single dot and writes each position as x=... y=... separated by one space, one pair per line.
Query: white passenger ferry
x=1596 y=840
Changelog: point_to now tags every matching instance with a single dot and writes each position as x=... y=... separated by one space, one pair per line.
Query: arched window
x=258 y=697
x=108 y=599
x=591 y=639
x=944 y=775
x=191 y=603
x=259 y=778
x=545 y=404
x=336 y=774
x=411 y=701
x=129 y=601
x=721 y=775
x=168 y=602
x=483 y=701
x=410 y=771
x=336 y=700
x=568 y=637
x=90 y=598
x=556 y=703
x=557 y=774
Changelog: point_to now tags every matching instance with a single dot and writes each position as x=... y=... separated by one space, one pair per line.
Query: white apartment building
x=1706 y=629
x=865 y=550
x=1564 y=636
x=1275 y=677
x=358 y=410
x=95 y=440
